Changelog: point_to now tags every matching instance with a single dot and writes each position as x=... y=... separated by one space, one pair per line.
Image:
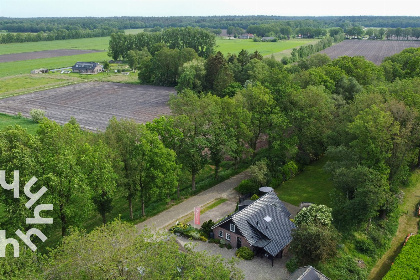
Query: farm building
x=39 y=71
x=263 y=226
x=87 y=67
x=307 y=273
x=246 y=36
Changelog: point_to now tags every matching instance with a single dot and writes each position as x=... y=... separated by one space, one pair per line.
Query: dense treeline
x=58 y=34
x=216 y=22
x=200 y=40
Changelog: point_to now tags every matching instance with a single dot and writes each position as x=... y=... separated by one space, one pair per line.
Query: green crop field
x=100 y=43
x=265 y=48
x=133 y=31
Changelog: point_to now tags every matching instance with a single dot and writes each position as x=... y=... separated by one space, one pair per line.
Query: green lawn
x=312 y=185
x=100 y=43
x=6 y=120
x=265 y=48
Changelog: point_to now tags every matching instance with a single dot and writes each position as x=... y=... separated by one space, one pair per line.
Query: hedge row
x=407 y=264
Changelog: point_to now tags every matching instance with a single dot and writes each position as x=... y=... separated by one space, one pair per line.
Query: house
x=268 y=39
x=87 y=68
x=246 y=36
x=264 y=226
x=307 y=273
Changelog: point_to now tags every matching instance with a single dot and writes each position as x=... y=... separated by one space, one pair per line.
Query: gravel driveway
x=255 y=269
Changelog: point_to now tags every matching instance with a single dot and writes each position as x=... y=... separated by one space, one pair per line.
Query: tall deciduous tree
x=261 y=105
x=155 y=167
x=60 y=171
x=100 y=175
x=192 y=117
x=121 y=136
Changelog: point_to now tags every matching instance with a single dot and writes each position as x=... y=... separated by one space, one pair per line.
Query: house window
x=228 y=236
x=232 y=227
x=220 y=233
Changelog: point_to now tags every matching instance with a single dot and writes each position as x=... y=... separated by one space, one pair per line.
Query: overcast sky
x=107 y=8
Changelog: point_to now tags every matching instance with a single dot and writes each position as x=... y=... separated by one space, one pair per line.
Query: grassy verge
x=311 y=185
x=6 y=120
x=408 y=223
x=265 y=48
x=203 y=210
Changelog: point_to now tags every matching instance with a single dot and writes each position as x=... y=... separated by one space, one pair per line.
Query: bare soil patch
x=42 y=54
x=94 y=104
x=374 y=51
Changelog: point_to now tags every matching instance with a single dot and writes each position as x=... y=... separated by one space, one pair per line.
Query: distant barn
x=87 y=68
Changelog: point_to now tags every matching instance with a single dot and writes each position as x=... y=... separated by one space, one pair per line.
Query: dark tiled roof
x=86 y=65
x=265 y=223
x=307 y=273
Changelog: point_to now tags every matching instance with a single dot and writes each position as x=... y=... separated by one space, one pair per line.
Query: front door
x=238 y=242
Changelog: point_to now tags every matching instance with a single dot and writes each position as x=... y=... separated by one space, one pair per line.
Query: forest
x=362 y=118
x=20 y=30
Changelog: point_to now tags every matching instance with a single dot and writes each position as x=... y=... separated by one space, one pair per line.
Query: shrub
x=203 y=238
x=365 y=246
x=244 y=253
x=254 y=197
x=344 y=268
x=259 y=172
x=292 y=265
x=247 y=187
x=206 y=227
x=229 y=246
x=37 y=114
x=314 y=214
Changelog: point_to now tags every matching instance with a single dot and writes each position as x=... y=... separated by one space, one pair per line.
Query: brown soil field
x=374 y=51
x=41 y=54
x=94 y=103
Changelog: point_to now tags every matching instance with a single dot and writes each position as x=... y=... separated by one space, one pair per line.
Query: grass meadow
x=234 y=46
x=6 y=120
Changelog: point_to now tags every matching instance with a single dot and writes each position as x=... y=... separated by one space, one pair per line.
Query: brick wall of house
x=233 y=237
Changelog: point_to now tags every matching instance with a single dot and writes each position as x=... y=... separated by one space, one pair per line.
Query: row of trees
x=200 y=40
x=58 y=34
x=34 y=25
x=307 y=50
x=81 y=170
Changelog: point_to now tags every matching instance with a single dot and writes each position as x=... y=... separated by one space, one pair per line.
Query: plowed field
x=94 y=103
x=41 y=54
x=374 y=51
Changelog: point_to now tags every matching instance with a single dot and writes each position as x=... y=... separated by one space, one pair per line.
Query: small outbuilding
x=307 y=273
x=39 y=71
x=87 y=68
x=264 y=226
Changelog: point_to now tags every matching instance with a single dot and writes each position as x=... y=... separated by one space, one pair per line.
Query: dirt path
x=407 y=224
